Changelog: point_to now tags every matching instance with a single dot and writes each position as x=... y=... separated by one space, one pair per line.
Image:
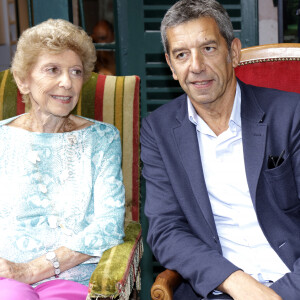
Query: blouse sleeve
x=105 y=227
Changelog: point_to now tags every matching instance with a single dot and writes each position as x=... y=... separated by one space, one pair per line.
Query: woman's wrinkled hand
x=40 y=268
x=17 y=271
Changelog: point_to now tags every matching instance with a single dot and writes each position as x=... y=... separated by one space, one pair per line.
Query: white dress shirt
x=242 y=240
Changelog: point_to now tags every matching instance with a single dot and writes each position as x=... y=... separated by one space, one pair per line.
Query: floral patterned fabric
x=60 y=189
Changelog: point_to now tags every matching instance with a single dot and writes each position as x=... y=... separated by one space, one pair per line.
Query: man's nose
x=197 y=62
x=65 y=80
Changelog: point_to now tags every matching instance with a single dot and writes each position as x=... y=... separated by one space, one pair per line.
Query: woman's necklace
x=67 y=125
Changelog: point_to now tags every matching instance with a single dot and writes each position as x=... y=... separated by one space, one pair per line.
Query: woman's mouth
x=62 y=98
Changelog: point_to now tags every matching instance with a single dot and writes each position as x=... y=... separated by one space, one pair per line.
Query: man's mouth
x=202 y=83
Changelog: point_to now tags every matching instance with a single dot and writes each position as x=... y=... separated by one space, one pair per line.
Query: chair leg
x=134 y=295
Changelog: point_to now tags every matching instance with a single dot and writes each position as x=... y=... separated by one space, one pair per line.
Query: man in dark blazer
x=187 y=200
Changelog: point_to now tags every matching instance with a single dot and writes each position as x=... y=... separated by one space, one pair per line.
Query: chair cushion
x=111 y=99
x=264 y=72
x=118 y=268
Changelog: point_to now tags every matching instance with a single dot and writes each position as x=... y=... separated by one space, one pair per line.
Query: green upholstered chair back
x=111 y=99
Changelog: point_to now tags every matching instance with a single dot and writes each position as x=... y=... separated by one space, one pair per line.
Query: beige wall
x=268 y=26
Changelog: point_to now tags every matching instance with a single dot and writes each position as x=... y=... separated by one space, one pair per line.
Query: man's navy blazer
x=182 y=233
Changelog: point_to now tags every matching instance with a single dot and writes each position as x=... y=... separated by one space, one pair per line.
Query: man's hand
x=241 y=286
x=17 y=271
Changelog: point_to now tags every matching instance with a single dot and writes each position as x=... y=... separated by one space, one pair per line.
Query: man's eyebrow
x=203 y=44
x=209 y=42
x=175 y=50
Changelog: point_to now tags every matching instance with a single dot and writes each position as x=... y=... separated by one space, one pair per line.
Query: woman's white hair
x=54 y=36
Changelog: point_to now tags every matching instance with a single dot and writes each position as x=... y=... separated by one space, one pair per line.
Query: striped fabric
x=112 y=99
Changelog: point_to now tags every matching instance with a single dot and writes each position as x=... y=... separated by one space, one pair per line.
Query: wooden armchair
x=115 y=100
x=273 y=66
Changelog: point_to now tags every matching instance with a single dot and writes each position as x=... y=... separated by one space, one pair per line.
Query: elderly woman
x=61 y=191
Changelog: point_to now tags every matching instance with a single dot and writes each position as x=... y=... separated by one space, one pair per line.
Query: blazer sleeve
x=170 y=236
x=288 y=286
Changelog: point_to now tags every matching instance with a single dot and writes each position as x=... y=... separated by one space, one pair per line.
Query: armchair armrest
x=118 y=268
x=167 y=281
x=164 y=284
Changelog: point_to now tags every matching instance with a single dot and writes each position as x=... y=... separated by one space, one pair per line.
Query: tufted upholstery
x=262 y=65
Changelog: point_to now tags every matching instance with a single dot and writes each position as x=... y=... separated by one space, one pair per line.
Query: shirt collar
x=235 y=117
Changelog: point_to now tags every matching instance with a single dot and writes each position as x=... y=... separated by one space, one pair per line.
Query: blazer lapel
x=187 y=143
x=254 y=134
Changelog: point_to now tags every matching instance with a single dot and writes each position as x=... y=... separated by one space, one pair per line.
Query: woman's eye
x=76 y=72
x=52 y=70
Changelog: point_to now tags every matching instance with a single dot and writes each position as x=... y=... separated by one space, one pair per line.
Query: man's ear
x=22 y=84
x=170 y=65
x=235 y=52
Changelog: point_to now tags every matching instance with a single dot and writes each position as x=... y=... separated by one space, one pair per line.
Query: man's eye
x=181 y=55
x=209 y=49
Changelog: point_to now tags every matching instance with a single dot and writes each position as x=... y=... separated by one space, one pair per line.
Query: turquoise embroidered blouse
x=60 y=189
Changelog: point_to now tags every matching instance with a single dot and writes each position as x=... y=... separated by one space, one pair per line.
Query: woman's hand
x=18 y=271
x=40 y=268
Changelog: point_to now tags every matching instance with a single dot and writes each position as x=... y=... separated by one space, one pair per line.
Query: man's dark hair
x=187 y=10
